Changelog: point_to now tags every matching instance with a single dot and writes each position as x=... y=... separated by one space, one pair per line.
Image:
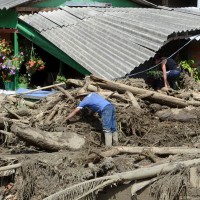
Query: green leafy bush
x=188 y=66
x=155 y=74
x=23 y=79
x=60 y=79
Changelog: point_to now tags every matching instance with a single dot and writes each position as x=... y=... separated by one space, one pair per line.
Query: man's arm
x=73 y=113
x=164 y=73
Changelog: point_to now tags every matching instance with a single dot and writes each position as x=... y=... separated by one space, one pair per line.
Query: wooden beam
x=7 y=30
x=33 y=9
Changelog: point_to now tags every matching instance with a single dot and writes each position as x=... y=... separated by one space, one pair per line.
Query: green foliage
x=23 y=79
x=17 y=60
x=60 y=79
x=155 y=74
x=5 y=47
x=187 y=65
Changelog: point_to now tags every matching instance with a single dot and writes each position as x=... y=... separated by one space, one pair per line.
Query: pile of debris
x=45 y=157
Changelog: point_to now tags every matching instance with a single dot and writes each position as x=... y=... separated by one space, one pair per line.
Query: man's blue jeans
x=172 y=75
x=109 y=118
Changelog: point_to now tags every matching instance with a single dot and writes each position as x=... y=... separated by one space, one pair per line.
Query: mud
x=44 y=173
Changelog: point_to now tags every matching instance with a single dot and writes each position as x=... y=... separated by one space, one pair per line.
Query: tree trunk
x=133 y=100
x=155 y=97
x=50 y=141
x=155 y=150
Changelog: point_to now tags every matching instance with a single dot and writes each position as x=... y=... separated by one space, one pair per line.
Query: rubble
x=45 y=157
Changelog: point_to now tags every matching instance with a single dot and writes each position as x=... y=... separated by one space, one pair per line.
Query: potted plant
x=35 y=63
x=5 y=47
x=60 y=79
x=23 y=81
x=8 y=74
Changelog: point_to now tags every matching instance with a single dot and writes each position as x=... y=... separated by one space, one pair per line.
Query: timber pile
x=158 y=132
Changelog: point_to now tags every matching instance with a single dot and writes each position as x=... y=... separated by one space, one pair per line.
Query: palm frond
x=86 y=190
x=82 y=191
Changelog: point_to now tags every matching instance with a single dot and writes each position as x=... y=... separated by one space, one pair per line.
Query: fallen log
x=138 y=186
x=142 y=150
x=11 y=112
x=52 y=114
x=9 y=167
x=16 y=100
x=114 y=95
x=133 y=100
x=50 y=141
x=79 y=83
x=155 y=150
x=151 y=96
x=7 y=122
x=93 y=88
x=65 y=92
x=53 y=102
x=84 y=189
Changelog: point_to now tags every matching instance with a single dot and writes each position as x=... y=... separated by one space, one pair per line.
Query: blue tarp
x=40 y=94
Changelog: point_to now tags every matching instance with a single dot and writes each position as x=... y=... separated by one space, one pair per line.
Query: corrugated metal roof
x=87 y=4
x=7 y=4
x=111 y=42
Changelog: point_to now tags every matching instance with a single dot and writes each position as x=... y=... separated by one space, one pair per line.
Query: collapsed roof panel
x=7 y=4
x=111 y=42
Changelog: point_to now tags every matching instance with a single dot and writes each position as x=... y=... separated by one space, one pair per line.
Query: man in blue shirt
x=104 y=108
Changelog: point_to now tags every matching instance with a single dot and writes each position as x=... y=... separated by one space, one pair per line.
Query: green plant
x=188 y=66
x=35 y=63
x=5 y=47
x=60 y=79
x=8 y=71
x=23 y=79
x=155 y=74
x=17 y=60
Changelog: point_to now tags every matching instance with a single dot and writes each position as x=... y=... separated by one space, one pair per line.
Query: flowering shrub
x=35 y=64
x=5 y=47
x=17 y=60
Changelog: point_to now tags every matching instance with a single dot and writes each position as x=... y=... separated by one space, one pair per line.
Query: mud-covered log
x=27 y=103
x=133 y=100
x=52 y=114
x=52 y=103
x=50 y=141
x=9 y=167
x=142 y=150
x=79 y=83
x=114 y=95
x=65 y=92
x=138 y=186
x=155 y=97
x=155 y=150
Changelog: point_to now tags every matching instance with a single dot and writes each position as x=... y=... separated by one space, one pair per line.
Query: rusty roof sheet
x=111 y=42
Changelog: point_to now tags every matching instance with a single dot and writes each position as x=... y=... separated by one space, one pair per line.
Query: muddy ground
x=44 y=172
